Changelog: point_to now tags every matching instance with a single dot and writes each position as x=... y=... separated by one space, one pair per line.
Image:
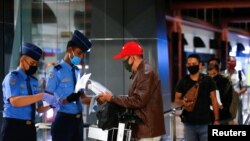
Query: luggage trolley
x=121 y=133
x=114 y=134
x=43 y=131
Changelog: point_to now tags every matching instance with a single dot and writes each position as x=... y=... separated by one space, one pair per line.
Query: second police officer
x=20 y=94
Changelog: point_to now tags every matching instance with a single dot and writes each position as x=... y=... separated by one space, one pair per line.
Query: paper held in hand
x=82 y=81
x=91 y=87
x=95 y=87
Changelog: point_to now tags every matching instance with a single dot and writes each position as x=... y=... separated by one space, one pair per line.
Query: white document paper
x=96 y=87
x=82 y=81
x=91 y=89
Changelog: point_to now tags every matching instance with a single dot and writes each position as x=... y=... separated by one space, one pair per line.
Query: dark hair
x=202 y=63
x=194 y=56
x=214 y=59
x=72 y=44
x=213 y=66
x=140 y=56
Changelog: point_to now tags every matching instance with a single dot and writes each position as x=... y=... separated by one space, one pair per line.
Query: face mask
x=75 y=60
x=193 y=69
x=32 y=70
x=127 y=65
x=216 y=77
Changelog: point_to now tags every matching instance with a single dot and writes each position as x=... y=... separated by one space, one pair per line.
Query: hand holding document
x=95 y=89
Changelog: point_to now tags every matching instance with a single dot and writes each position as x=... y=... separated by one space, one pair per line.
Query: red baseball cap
x=129 y=48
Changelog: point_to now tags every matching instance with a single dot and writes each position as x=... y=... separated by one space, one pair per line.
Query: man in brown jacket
x=144 y=95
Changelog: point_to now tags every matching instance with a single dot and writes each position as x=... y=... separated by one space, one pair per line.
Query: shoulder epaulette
x=58 y=67
x=14 y=72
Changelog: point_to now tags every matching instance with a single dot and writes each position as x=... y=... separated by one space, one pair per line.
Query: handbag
x=191 y=97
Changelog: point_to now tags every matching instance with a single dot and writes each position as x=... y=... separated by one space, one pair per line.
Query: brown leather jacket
x=146 y=100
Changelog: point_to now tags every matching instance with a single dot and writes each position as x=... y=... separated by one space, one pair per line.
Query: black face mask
x=127 y=65
x=193 y=69
x=216 y=77
x=32 y=70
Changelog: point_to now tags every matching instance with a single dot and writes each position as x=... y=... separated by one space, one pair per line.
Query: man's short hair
x=213 y=66
x=72 y=44
x=194 y=56
x=214 y=59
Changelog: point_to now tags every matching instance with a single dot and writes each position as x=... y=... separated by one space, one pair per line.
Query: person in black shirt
x=225 y=90
x=196 y=122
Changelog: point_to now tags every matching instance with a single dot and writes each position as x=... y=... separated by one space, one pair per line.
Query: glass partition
x=48 y=24
x=108 y=23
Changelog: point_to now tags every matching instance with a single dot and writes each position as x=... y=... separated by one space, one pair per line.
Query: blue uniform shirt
x=14 y=84
x=60 y=82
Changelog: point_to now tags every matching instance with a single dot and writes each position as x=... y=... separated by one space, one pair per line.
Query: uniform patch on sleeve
x=51 y=74
x=12 y=81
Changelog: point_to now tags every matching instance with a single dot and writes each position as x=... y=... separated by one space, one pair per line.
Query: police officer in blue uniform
x=20 y=94
x=68 y=123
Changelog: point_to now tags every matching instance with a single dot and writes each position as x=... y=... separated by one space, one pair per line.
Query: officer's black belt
x=18 y=121
x=61 y=114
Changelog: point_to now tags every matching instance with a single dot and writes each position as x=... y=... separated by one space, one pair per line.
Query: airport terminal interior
x=168 y=31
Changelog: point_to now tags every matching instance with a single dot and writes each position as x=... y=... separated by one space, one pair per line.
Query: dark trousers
x=17 y=130
x=67 y=127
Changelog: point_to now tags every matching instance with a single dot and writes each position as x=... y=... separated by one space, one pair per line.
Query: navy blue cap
x=32 y=51
x=81 y=41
